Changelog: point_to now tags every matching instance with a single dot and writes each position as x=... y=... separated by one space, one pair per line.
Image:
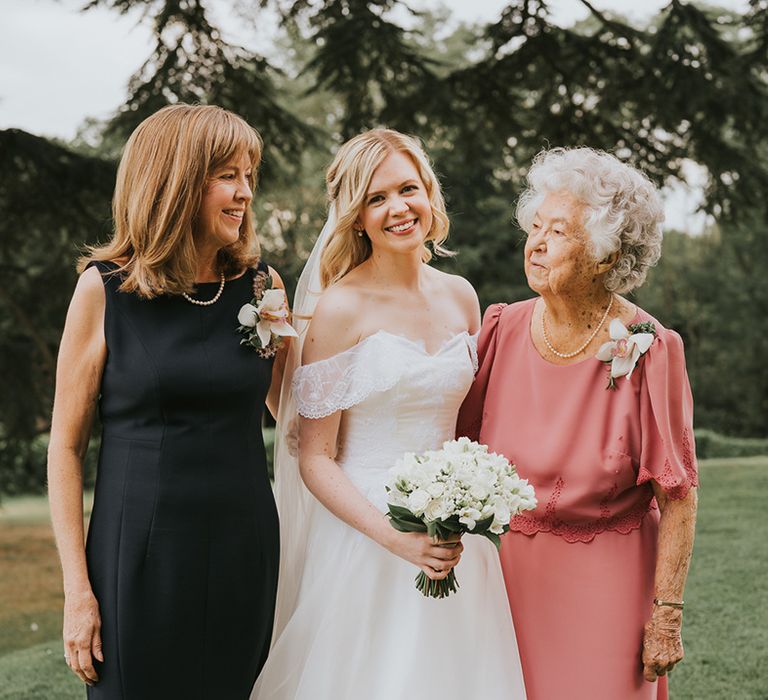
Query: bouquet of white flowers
x=460 y=488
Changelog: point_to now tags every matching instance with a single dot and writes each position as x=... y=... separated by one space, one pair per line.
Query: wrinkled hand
x=82 y=635
x=434 y=558
x=662 y=643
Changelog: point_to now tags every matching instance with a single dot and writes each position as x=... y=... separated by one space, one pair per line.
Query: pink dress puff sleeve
x=666 y=414
x=471 y=413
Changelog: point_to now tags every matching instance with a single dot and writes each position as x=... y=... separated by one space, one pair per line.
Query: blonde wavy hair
x=348 y=179
x=161 y=180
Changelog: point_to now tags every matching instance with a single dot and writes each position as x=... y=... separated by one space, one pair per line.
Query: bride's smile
x=396 y=215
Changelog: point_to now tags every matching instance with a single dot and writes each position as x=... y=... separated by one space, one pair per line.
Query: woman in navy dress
x=173 y=594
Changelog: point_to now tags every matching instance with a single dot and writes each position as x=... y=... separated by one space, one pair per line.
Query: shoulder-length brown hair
x=161 y=180
x=348 y=179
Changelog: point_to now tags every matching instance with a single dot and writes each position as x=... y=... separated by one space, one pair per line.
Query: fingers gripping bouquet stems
x=461 y=488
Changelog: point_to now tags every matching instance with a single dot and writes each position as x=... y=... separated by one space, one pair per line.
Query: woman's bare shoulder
x=83 y=335
x=335 y=324
x=463 y=294
x=89 y=290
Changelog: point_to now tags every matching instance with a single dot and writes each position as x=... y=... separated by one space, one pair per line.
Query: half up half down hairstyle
x=348 y=179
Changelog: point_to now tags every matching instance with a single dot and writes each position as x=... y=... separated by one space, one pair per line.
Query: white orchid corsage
x=264 y=320
x=625 y=348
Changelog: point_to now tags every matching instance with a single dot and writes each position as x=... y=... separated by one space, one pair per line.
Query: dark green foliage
x=192 y=63
x=716 y=115
x=53 y=201
x=712 y=445
x=712 y=290
x=689 y=86
x=24 y=463
x=644 y=327
x=366 y=60
x=655 y=97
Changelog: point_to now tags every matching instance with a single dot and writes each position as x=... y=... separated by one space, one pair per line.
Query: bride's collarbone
x=430 y=320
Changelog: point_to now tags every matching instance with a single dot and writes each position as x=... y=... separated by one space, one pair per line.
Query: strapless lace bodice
x=396 y=398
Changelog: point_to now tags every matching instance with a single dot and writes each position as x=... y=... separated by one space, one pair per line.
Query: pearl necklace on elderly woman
x=566 y=355
x=210 y=301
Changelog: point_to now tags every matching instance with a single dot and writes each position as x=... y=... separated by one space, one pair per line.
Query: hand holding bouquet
x=460 y=488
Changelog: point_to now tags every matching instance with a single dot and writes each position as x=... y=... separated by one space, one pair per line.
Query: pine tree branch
x=31 y=331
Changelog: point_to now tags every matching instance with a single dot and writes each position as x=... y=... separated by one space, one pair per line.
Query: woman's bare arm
x=333 y=330
x=82 y=355
x=662 y=644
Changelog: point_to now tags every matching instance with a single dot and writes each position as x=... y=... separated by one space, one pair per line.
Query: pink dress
x=579 y=570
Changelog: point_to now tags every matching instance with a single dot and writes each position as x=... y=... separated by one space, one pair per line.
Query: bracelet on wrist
x=669 y=603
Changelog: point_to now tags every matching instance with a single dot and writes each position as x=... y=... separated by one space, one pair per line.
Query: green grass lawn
x=726 y=617
x=726 y=600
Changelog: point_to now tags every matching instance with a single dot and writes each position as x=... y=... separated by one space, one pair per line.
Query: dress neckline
x=116 y=266
x=532 y=346
x=419 y=344
x=227 y=281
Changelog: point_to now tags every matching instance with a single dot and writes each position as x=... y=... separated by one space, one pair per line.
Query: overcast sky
x=59 y=65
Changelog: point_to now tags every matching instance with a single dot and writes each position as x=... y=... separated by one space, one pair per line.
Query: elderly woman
x=588 y=395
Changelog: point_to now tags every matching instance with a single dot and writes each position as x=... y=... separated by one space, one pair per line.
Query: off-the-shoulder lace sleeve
x=338 y=383
x=471 y=413
x=666 y=415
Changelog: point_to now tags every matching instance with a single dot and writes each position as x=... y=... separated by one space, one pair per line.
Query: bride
x=387 y=359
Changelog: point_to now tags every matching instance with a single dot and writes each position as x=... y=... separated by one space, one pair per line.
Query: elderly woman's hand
x=662 y=642
x=82 y=634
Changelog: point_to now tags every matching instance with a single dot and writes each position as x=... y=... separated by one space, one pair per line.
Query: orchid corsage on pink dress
x=579 y=570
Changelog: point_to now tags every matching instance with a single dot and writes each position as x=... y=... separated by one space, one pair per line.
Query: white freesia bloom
x=460 y=488
x=463 y=444
x=469 y=517
x=462 y=482
x=436 y=489
x=502 y=514
x=623 y=350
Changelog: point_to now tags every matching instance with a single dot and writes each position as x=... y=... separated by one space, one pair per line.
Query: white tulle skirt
x=361 y=630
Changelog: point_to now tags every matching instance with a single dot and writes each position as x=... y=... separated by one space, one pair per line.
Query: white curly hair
x=623 y=209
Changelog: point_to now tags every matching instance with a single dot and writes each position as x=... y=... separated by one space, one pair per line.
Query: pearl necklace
x=566 y=355
x=210 y=301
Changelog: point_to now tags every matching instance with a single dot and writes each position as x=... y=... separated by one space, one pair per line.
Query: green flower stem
x=436 y=589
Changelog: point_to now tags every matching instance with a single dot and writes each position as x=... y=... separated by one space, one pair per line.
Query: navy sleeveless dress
x=183 y=543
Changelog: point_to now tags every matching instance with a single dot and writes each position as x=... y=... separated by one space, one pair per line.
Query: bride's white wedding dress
x=360 y=629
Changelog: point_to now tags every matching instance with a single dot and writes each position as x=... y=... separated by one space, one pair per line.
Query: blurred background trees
x=690 y=87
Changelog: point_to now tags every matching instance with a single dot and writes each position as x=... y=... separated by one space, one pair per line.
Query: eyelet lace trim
x=671 y=481
x=583 y=532
x=339 y=383
x=624 y=523
x=346 y=379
